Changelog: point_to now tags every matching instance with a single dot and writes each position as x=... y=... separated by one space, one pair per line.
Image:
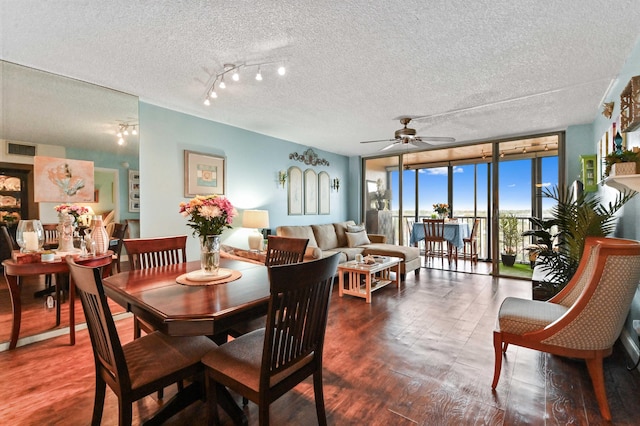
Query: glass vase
x=30 y=235
x=99 y=235
x=210 y=254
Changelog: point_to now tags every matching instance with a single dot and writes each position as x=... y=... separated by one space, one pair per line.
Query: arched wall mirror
x=45 y=114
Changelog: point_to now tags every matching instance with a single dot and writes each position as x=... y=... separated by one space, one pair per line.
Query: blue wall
x=252 y=164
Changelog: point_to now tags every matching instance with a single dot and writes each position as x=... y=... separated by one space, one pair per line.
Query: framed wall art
x=324 y=188
x=134 y=191
x=294 y=198
x=310 y=192
x=204 y=174
x=61 y=180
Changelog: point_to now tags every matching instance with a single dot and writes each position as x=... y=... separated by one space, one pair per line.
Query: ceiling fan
x=407 y=137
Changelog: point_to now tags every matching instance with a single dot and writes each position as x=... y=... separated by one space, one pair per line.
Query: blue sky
x=515 y=193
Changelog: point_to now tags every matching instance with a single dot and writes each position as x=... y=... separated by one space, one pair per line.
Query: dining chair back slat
x=152 y=252
x=285 y=250
x=50 y=235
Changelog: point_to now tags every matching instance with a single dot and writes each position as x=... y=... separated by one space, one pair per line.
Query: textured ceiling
x=472 y=70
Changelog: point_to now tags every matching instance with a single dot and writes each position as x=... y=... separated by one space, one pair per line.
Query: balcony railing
x=483 y=243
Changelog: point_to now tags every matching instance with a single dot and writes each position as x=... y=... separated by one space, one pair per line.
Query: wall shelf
x=624 y=182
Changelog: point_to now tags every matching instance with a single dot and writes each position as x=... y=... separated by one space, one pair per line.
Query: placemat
x=182 y=279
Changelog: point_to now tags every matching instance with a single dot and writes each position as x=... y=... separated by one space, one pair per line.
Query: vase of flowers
x=68 y=218
x=208 y=216
x=441 y=209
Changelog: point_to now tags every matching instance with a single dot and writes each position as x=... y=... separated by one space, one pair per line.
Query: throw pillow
x=355 y=239
x=355 y=228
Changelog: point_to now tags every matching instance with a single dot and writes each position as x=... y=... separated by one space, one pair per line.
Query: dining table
x=14 y=270
x=156 y=296
x=454 y=233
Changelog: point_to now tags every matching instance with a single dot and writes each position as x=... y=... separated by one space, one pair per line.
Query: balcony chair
x=410 y=221
x=584 y=319
x=434 y=241
x=265 y=364
x=140 y=367
x=472 y=241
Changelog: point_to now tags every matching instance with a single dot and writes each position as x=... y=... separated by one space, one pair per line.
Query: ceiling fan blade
x=435 y=140
x=379 y=140
x=390 y=146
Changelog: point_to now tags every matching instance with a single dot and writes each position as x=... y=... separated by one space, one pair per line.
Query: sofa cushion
x=355 y=239
x=355 y=228
x=301 y=231
x=347 y=254
x=341 y=230
x=325 y=236
x=406 y=253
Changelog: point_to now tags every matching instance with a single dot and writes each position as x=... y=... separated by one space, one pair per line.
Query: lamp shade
x=255 y=219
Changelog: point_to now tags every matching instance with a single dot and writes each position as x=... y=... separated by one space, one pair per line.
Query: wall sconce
x=335 y=184
x=282 y=177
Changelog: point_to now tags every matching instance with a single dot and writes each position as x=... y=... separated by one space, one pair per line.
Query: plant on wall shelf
x=624 y=156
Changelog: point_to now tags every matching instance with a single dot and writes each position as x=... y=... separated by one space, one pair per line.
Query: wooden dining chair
x=582 y=321
x=472 y=242
x=119 y=231
x=285 y=250
x=50 y=234
x=434 y=241
x=160 y=251
x=265 y=364
x=280 y=251
x=146 y=253
x=140 y=367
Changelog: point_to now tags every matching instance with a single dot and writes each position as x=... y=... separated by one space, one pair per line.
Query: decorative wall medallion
x=309 y=157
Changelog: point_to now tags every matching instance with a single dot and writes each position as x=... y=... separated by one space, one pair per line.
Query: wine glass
x=30 y=235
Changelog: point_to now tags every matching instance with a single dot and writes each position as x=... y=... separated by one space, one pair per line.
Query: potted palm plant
x=510 y=237
x=573 y=218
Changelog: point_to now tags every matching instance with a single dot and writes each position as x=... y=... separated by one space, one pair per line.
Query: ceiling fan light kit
x=406 y=137
x=235 y=69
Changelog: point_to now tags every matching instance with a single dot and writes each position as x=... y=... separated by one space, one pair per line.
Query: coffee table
x=363 y=279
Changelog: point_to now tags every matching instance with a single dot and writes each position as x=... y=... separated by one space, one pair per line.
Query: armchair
x=584 y=319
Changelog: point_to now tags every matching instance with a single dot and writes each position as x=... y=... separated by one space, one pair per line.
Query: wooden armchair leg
x=594 y=365
x=497 y=349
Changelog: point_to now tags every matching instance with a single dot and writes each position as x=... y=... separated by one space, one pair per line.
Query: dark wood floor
x=418 y=355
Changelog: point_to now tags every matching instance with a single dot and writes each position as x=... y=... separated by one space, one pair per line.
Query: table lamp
x=256 y=219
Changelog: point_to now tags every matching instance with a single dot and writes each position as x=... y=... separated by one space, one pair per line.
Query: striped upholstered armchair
x=584 y=319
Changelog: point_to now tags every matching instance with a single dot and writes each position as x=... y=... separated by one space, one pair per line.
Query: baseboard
x=55 y=333
x=630 y=343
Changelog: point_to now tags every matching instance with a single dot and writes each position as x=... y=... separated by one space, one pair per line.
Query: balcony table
x=14 y=270
x=455 y=233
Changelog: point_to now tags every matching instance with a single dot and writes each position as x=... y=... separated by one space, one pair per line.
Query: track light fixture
x=235 y=69
x=123 y=131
